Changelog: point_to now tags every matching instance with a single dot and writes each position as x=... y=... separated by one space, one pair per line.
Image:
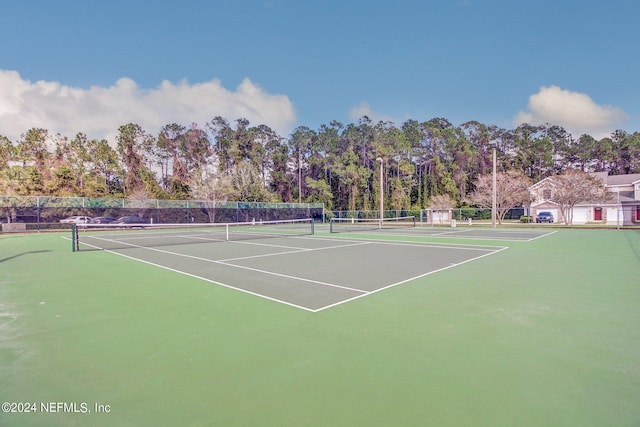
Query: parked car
x=104 y=220
x=544 y=217
x=76 y=219
x=131 y=221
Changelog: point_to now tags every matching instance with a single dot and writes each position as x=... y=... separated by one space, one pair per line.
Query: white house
x=621 y=207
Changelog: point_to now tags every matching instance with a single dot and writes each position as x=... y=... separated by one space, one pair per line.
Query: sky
x=90 y=66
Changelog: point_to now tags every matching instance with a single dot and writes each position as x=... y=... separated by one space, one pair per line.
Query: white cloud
x=574 y=111
x=99 y=111
x=364 y=109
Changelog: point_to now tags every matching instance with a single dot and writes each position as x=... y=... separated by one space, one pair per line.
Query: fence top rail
x=7 y=201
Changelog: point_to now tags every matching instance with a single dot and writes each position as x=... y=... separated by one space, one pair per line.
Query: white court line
x=294 y=252
x=405 y=242
x=187 y=237
x=295 y=249
x=317 y=282
x=543 y=235
x=202 y=278
x=408 y=280
x=444 y=233
x=270 y=245
x=441 y=246
x=451 y=235
x=155 y=235
x=356 y=241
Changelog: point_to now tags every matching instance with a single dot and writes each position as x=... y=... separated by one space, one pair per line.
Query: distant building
x=621 y=207
x=23 y=163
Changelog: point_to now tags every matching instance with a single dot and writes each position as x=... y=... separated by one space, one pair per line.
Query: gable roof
x=548 y=180
x=545 y=203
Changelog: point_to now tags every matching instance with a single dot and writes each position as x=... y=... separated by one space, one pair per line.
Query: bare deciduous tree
x=573 y=187
x=512 y=190
x=141 y=201
x=210 y=187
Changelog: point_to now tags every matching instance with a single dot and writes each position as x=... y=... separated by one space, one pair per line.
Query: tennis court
x=409 y=226
x=481 y=233
x=282 y=261
x=384 y=327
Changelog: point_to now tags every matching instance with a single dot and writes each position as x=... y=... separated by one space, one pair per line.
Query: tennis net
x=123 y=236
x=343 y=225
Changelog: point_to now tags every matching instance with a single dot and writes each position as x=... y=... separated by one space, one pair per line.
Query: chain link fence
x=41 y=213
x=437 y=217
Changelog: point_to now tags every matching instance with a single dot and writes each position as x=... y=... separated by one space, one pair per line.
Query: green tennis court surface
x=481 y=233
x=310 y=273
x=391 y=327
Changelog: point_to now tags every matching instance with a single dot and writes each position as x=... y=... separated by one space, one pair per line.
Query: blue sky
x=91 y=66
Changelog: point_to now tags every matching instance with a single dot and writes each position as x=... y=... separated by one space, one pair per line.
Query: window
x=546 y=193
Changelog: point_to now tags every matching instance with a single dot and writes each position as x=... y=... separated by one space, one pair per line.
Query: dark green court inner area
x=308 y=272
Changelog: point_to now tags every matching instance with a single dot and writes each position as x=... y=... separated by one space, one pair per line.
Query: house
x=621 y=207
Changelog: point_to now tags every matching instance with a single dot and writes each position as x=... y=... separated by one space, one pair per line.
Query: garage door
x=581 y=215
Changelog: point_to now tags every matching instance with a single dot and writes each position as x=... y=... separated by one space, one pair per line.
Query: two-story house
x=620 y=207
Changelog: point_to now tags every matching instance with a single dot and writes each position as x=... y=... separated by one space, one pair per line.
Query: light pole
x=618 y=208
x=494 y=197
x=379 y=160
x=299 y=176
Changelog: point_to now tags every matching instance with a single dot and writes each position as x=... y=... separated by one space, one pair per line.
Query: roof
x=545 y=204
x=548 y=180
x=612 y=199
x=608 y=180
x=601 y=175
x=627 y=179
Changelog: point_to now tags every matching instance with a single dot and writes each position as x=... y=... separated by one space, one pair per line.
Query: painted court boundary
x=489 y=250
x=460 y=234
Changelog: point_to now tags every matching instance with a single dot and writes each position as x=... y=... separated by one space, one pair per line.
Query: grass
x=545 y=333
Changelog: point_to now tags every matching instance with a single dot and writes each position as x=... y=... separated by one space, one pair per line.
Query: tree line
x=423 y=163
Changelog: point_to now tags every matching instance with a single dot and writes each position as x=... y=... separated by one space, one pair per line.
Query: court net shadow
x=24 y=253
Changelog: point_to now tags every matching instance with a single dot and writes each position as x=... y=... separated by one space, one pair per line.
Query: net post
x=226 y=227
x=330 y=225
x=74 y=238
x=313 y=226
